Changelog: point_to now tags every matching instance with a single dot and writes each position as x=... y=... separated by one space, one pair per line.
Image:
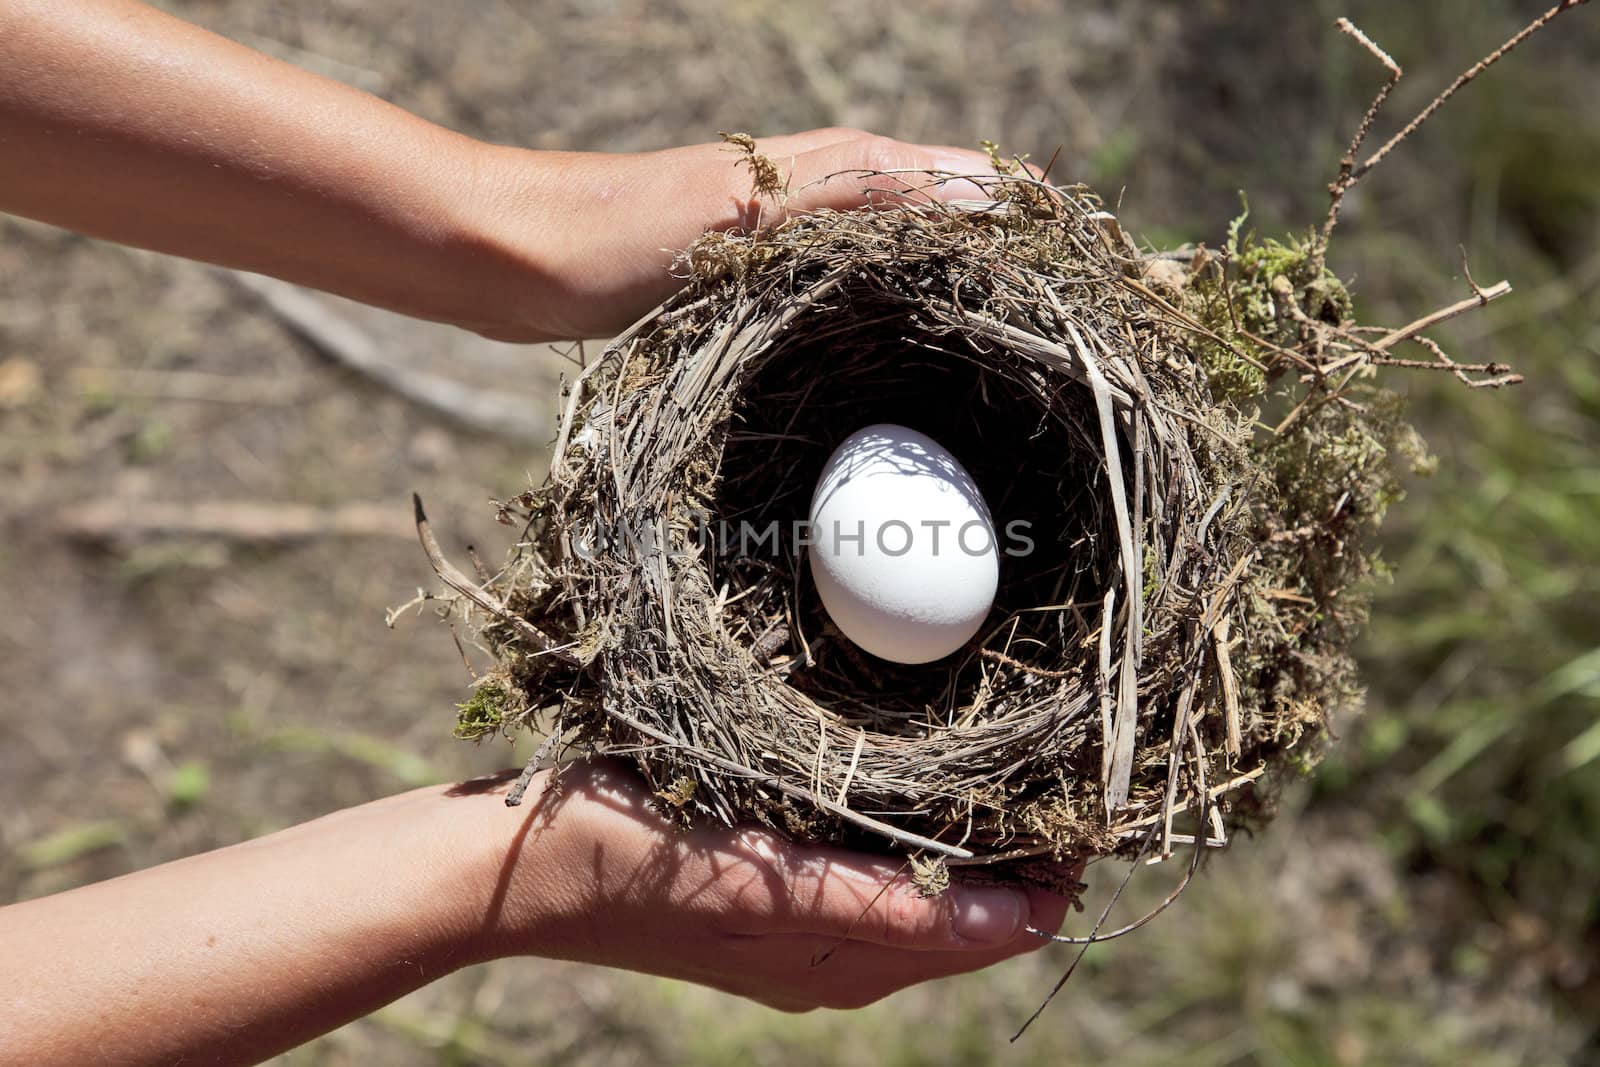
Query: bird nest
x=1174 y=632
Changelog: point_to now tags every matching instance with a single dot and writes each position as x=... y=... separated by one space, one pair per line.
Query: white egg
x=902 y=545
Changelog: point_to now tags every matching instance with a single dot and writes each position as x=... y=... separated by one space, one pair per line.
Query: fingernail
x=989 y=916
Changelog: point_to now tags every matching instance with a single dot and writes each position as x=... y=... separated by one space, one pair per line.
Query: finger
x=790 y=145
x=1046 y=912
x=864 y=148
x=759 y=987
x=802 y=971
x=877 y=971
x=848 y=896
x=878 y=170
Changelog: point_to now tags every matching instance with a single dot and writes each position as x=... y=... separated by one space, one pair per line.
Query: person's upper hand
x=127 y=124
x=593 y=874
x=600 y=231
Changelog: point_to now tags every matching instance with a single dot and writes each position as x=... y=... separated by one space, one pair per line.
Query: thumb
x=960 y=917
x=836 y=893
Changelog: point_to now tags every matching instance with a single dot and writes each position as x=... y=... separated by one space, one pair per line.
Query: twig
x=343 y=342
x=1347 y=172
x=1200 y=844
x=1479 y=298
x=1373 y=353
x=1105 y=913
x=850 y=774
x=1466 y=76
x=519 y=788
x=1501 y=373
x=1126 y=720
x=1011 y=661
x=1108 y=700
x=1221 y=632
x=449 y=575
x=823 y=957
x=245 y=521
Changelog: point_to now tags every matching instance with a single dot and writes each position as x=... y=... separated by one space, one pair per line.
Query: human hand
x=591 y=873
x=263 y=945
x=588 y=238
x=316 y=183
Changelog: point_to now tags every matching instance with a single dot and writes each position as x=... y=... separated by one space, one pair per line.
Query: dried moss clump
x=1176 y=632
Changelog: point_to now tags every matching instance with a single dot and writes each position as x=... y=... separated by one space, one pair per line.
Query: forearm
x=232 y=956
x=237 y=954
x=123 y=123
x=127 y=124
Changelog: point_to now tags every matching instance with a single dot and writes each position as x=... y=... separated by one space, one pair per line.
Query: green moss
x=1339 y=467
x=679 y=792
x=1002 y=164
x=485 y=713
x=1256 y=303
x=1330 y=480
x=1152 y=573
x=1328 y=476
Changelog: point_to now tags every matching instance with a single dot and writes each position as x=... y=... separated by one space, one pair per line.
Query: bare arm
x=124 y=123
x=237 y=954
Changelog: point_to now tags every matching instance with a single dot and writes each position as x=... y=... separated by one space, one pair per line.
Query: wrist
x=493 y=907
x=513 y=219
x=582 y=244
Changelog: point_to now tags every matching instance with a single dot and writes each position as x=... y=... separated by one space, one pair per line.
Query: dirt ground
x=167 y=693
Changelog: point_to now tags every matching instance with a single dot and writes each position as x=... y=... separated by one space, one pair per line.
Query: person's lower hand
x=591 y=236
x=591 y=873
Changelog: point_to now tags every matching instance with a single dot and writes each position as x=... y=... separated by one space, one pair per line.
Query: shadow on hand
x=649 y=877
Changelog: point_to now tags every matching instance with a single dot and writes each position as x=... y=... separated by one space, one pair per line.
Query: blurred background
x=179 y=678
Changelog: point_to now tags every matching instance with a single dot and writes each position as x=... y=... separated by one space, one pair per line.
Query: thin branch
x=1200 y=844
x=519 y=788
x=1230 y=686
x=244 y=521
x=1476 y=69
x=451 y=576
x=1011 y=661
x=1432 y=319
x=1099 y=923
x=1502 y=373
x=342 y=341
x=1347 y=173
